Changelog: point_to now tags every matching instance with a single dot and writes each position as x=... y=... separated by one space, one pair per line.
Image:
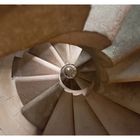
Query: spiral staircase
x=79 y=83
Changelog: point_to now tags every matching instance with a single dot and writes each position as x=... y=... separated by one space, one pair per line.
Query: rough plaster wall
x=106 y=19
x=11 y=120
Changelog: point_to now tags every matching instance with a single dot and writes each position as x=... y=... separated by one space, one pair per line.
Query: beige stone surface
x=25 y=26
x=12 y=122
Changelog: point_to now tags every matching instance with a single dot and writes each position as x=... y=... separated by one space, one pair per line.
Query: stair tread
x=70 y=83
x=125 y=94
x=28 y=90
x=75 y=51
x=28 y=67
x=82 y=83
x=63 y=50
x=16 y=66
x=61 y=120
x=87 y=67
x=88 y=76
x=116 y=119
x=66 y=82
x=40 y=108
x=74 y=85
x=86 y=122
x=44 y=52
x=82 y=59
x=126 y=71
